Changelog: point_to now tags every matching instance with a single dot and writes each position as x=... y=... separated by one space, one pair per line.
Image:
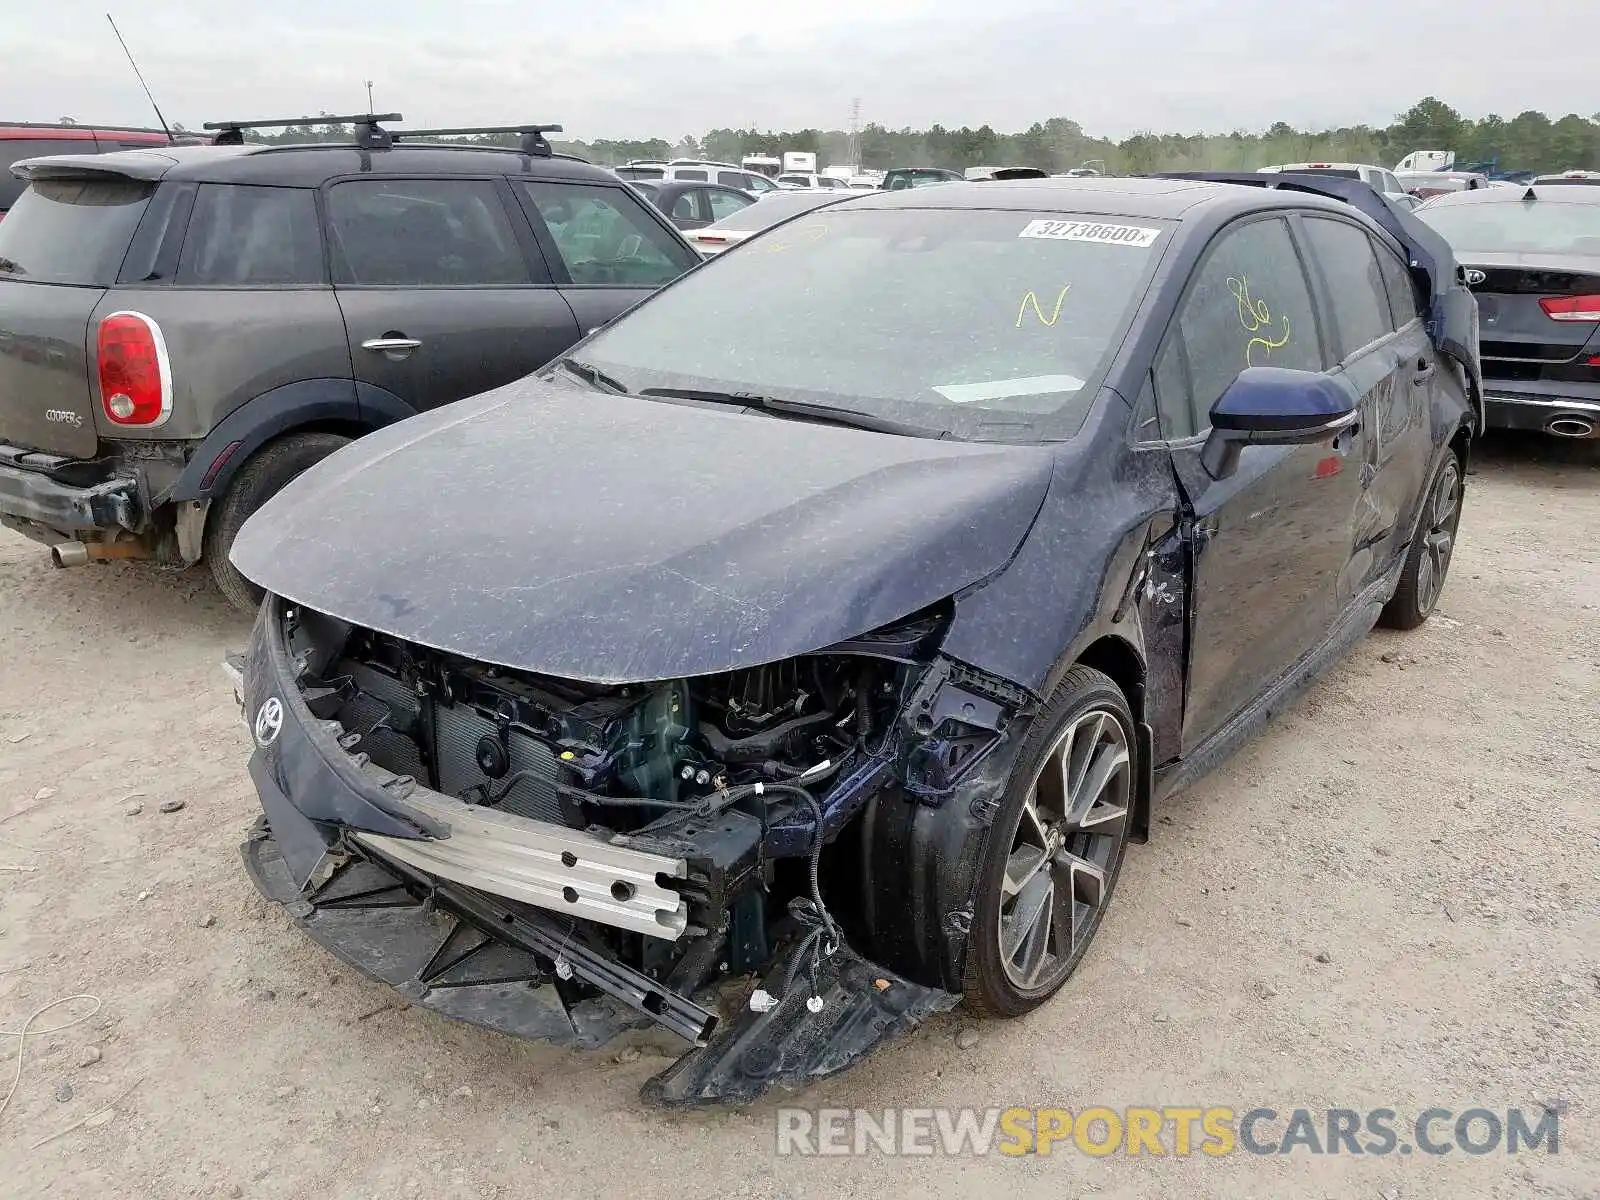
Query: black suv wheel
x=266 y=474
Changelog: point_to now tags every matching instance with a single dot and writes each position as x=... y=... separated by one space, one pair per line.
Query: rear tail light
x=1572 y=308
x=135 y=377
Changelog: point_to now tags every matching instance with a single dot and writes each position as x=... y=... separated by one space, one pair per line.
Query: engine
x=585 y=755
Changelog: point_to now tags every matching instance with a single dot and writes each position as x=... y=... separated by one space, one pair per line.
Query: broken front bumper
x=474 y=913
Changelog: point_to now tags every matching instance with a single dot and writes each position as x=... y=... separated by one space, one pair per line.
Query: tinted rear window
x=1534 y=228
x=70 y=231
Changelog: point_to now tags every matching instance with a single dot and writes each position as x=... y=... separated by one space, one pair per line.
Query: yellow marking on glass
x=1055 y=313
x=1254 y=316
x=804 y=236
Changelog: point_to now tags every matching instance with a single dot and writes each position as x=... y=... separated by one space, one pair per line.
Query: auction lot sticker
x=1137 y=236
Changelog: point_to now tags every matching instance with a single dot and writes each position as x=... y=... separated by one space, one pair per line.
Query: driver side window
x=604 y=235
x=1247 y=305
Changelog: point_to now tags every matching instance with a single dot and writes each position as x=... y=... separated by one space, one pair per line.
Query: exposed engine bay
x=645 y=843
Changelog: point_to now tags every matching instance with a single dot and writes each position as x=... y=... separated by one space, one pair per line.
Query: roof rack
x=533 y=139
x=369 y=135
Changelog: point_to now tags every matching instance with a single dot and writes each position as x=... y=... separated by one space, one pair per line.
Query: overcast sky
x=622 y=68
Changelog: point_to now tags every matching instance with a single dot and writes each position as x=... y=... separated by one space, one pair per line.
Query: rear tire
x=261 y=478
x=1428 y=561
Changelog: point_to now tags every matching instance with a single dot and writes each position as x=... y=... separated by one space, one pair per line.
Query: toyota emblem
x=1475 y=276
x=269 y=722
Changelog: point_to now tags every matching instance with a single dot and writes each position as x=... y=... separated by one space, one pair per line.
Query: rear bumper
x=1539 y=408
x=34 y=498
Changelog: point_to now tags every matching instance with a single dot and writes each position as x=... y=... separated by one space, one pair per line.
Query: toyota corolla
x=800 y=654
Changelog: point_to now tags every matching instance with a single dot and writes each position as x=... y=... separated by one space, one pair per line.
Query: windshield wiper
x=595 y=377
x=824 y=414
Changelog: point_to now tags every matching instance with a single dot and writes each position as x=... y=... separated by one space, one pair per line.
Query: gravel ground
x=1390 y=899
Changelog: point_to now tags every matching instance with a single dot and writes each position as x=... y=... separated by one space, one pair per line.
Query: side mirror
x=1272 y=406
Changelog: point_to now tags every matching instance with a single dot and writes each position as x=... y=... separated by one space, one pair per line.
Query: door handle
x=397 y=346
x=1424 y=372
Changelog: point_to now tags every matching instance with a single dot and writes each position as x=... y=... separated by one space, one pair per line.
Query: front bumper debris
x=510 y=923
x=516 y=969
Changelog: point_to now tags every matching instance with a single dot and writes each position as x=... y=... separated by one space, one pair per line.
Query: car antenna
x=165 y=128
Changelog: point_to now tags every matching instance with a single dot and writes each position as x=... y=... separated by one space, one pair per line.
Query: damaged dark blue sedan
x=799 y=655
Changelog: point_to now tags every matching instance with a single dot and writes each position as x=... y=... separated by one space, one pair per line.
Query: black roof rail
x=533 y=139
x=369 y=135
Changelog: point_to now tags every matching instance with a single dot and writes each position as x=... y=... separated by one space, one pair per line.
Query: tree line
x=1530 y=141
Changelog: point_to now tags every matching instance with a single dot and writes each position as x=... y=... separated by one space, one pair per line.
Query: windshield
x=979 y=323
x=1531 y=227
x=772 y=209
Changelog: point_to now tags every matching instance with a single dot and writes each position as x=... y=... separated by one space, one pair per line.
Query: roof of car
x=1541 y=193
x=311 y=165
x=1161 y=199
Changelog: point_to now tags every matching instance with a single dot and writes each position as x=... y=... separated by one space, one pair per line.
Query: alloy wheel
x=1065 y=851
x=1439 y=537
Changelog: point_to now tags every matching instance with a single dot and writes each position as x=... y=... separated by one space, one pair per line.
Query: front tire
x=267 y=473
x=1055 y=849
x=1428 y=561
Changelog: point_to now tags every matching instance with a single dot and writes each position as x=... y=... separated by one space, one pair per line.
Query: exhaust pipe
x=1570 y=425
x=75 y=554
x=68 y=554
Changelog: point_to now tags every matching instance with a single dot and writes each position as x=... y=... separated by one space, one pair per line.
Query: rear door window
x=1248 y=305
x=243 y=236
x=423 y=233
x=72 y=231
x=1397 y=279
x=604 y=235
x=1357 y=292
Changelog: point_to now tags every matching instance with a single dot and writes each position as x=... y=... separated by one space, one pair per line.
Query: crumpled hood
x=550 y=528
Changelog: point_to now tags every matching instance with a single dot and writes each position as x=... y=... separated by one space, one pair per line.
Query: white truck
x=799 y=162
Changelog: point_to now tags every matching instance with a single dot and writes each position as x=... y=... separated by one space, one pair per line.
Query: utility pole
x=368 y=84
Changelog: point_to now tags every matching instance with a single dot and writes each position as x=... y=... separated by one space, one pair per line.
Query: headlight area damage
x=768 y=863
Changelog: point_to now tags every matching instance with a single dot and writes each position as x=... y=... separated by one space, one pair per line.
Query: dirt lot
x=1392 y=898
